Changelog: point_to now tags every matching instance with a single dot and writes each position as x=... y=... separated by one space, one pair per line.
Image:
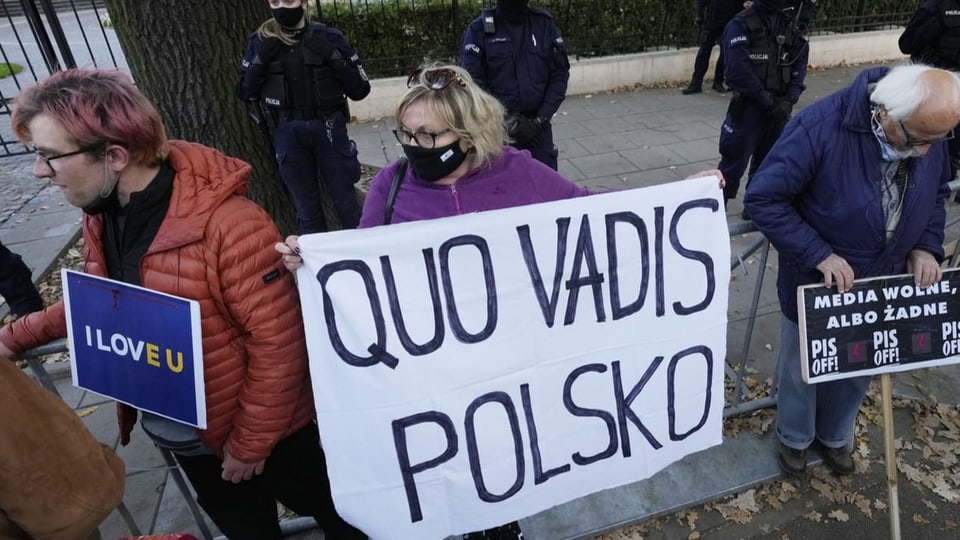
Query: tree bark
x=184 y=55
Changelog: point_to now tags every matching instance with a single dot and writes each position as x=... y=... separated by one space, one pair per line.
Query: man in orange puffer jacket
x=172 y=216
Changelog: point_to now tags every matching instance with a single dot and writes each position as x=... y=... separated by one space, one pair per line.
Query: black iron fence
x=41 y=37
x=394 y=36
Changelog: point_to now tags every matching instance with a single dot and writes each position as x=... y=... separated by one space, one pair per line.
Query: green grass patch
x=9 y=69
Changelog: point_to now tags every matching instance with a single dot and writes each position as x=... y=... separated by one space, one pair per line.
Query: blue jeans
x=825 y=411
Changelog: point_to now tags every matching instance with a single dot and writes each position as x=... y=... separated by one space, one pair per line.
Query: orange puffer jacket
x=215 y=246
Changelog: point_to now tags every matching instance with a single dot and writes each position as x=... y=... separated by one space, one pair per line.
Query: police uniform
x=302 y=98
x=766 y=62
x=713 y=16
x=524 y=66
x=932 y=37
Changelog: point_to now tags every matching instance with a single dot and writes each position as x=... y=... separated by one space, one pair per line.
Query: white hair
x=904 y=88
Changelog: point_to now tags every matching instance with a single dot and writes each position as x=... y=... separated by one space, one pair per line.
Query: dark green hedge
x=394 y=36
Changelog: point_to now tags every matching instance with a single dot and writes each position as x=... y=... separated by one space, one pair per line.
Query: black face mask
x=514 y=11
x=288 y=17
x=432 y=164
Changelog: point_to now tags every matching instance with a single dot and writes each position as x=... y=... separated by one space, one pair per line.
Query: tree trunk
x=184 y=55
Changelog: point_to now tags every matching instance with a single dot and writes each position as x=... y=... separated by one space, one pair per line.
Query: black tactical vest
x=301 y=80
x=770 y=54
x=947 y=53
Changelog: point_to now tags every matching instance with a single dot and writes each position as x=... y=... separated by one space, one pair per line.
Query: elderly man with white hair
x=854 y=188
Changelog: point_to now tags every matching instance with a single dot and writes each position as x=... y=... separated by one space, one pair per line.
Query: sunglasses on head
x=435 y=79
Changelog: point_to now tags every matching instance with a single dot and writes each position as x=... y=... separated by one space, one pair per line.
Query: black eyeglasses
x=425 y=139
x=434 y=79
x=47 y=159
x=909 y=140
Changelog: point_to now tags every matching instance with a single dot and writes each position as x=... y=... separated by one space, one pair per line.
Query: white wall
x=610 y=72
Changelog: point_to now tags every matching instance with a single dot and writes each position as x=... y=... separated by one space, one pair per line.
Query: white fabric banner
x=474 y=370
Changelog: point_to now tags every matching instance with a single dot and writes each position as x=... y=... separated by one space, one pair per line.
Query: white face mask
x=888 y=151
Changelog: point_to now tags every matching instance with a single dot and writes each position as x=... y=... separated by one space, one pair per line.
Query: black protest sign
x=880 y=325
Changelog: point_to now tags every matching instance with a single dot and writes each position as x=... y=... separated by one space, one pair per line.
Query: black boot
x=692 y=89
x=719 y=87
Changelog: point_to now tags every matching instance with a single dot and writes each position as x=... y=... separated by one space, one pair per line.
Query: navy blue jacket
x=524 y=66
x=738 y=69
x=922 y=35
x=349 y=73
x=817 y=192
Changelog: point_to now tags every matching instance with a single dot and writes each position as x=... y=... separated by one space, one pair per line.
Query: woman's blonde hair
x=473 y=114
x=271 y=28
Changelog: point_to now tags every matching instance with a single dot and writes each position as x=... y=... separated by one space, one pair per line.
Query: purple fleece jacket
x=513 y=179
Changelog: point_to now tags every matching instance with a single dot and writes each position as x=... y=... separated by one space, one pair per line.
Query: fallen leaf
x=839 y=515
x=83 y=413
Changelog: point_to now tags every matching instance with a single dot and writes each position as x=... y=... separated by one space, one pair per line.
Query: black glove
x=526 y=131
x=780 y=110
x=270 y=48
x=316 y=40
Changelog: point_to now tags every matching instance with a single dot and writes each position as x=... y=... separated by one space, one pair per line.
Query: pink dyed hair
x=96 y=107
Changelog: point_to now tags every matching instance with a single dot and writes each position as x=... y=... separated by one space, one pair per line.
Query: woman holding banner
x=453 y=137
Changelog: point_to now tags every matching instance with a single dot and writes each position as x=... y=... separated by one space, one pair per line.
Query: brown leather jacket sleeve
x=56 y=480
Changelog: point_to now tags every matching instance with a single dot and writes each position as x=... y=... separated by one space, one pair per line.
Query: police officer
x=517 y=54
x=16 y=284
x=933 y=37
x=766 y=62
x=712 y=17
x=296 y=76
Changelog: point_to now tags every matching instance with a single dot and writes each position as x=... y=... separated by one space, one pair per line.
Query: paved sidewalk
x=607 y=140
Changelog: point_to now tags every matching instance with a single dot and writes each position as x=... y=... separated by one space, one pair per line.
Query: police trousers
x=708 y=38
x=319 y=150
x=542 y=149
x=746 y=136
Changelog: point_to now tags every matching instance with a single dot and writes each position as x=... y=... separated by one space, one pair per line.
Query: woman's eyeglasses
x=434 y=79
x=425 y=139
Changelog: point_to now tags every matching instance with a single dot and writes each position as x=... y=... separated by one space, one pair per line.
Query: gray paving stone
x=607 y=126
x=570 y=131
x=692 y=131
x=569 y=171
x=643 y=138
x=609 y=164
x=608 y=106
x=607 y=142
x=655 y=157
x=570 y=148
x=696 y=150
